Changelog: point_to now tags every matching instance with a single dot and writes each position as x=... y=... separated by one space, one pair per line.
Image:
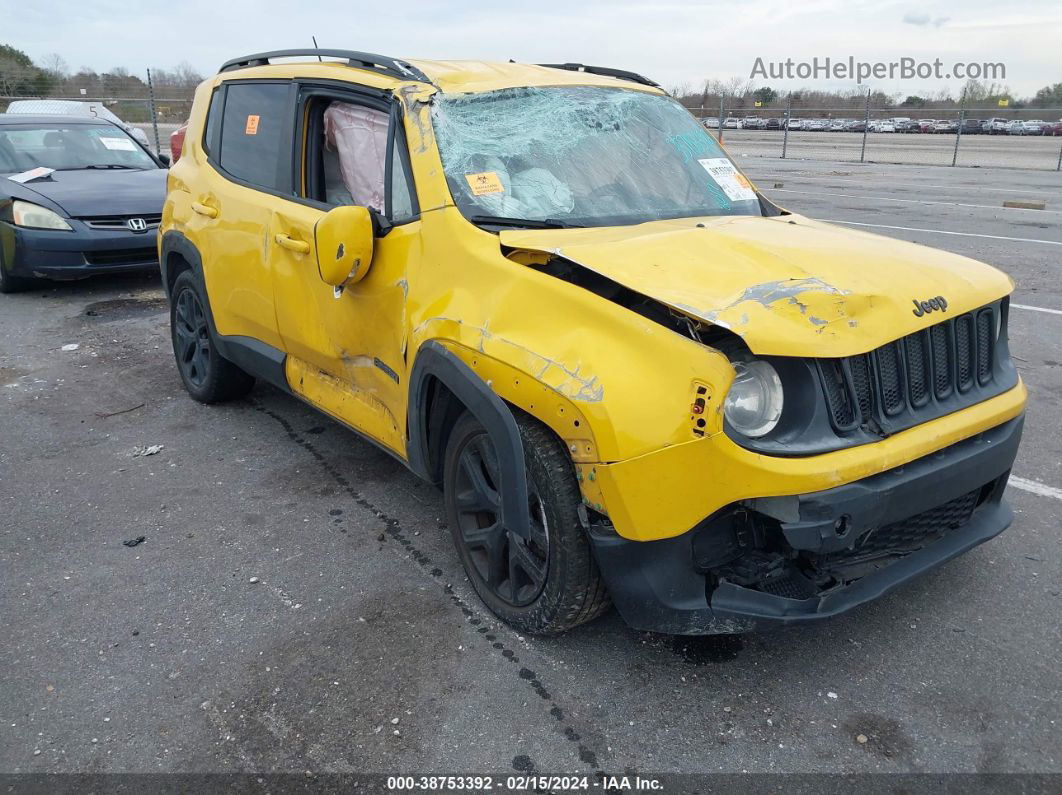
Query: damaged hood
x=787 y=285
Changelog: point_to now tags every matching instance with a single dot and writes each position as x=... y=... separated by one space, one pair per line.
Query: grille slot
x=124 y=256
x=837 y=395
x=859 y=367
x=984 y=345
x=964 y=346
x=909 y=377
x=891 y=378
x=120 y=222
x=917 y=367
x=942 y=375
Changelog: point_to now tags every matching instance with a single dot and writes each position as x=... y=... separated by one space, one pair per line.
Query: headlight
x=753 y=405
x=37 y=217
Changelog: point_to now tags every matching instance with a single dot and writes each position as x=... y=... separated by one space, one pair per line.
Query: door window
x=255 y=133
x=355 y=157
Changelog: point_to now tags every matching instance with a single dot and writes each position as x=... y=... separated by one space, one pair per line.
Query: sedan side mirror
x=344 y=242
x=165 y=160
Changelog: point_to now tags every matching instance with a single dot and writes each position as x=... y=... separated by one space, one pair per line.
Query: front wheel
x=542 y=585
x=207 y=375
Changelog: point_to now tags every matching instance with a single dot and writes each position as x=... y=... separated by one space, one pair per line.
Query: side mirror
x=343 y=241
x=165 y=160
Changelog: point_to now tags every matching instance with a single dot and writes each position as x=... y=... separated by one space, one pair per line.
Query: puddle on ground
x=116 y=308
x=708 y=649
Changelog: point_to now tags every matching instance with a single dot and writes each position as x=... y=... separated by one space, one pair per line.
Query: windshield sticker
x=734 y=185
x=252 y=125
x=485 y=183
x=119 y=144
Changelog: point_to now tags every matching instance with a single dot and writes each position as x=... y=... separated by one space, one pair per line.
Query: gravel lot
x=297 y=606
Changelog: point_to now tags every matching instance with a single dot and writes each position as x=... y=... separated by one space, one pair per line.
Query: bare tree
x=55 y=65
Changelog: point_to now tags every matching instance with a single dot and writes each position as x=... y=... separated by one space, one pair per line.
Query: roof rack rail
x=381 y=64
x=603 y=70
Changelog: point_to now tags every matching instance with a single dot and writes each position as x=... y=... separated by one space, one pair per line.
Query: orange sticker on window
x=485 y=183
x=252 y=126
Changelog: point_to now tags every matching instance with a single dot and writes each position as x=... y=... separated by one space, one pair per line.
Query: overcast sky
x=670 y=42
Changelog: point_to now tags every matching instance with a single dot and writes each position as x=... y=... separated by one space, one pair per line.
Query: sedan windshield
x=583 y=156
x=69 y=147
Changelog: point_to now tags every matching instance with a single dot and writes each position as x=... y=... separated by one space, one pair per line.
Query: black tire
x=566 y=588
x=207 y=375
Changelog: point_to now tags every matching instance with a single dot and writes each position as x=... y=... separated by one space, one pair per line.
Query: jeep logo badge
x=137 y=224
x=937 y=304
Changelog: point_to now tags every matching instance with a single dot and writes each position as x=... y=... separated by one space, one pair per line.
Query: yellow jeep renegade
x=548 y=290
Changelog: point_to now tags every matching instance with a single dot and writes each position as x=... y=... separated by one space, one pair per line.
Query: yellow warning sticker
x=485 y=183
x=252 y=126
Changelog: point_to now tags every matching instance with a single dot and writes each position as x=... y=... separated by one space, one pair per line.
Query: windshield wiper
x=526 y=223
x=105 y=165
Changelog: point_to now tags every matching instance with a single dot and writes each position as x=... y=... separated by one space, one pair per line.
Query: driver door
x=346 y=349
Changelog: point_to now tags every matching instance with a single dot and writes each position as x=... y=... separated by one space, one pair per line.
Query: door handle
x=205 y=209
x=291 y=244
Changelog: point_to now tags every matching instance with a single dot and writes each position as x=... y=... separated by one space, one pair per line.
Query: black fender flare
x=174 y=242
x=434 y=360
x=252 y=355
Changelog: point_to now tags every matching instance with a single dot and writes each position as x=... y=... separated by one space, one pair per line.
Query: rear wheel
x=547 y=583
x=207 y=375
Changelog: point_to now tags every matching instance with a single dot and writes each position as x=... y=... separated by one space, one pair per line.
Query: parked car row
x=899 y=124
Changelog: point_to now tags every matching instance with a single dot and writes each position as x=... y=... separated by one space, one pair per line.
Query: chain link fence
x=966 y=136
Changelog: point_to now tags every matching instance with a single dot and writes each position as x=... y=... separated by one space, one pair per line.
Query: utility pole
x=154 y=113
x=958 y=132
x=866 y=128
x=785 y=121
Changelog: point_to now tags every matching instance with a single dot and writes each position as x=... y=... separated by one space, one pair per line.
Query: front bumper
x=685 y=585
x=76 y=254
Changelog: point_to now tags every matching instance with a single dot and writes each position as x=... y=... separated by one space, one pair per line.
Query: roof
x=446 y=76
x=41 y=118
x=476 y=76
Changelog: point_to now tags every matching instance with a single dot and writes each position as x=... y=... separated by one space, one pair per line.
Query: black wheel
x=208 y=377
x=543 y=585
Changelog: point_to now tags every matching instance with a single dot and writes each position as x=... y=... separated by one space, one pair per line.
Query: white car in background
x=795 y=124
x=71 y=107
x=732 y=123
x=710 y=123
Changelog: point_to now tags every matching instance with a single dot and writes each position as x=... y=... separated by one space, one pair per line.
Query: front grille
x=916 y=531
x=120 y=222
x=898 y=384
x=122 y=256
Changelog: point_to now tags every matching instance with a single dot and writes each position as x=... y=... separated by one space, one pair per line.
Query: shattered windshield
x=583 y=156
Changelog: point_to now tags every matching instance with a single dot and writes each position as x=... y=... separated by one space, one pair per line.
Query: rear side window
x=255 y=133
x=213 y=121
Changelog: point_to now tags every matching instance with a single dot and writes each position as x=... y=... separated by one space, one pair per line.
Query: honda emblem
x=137 y=224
